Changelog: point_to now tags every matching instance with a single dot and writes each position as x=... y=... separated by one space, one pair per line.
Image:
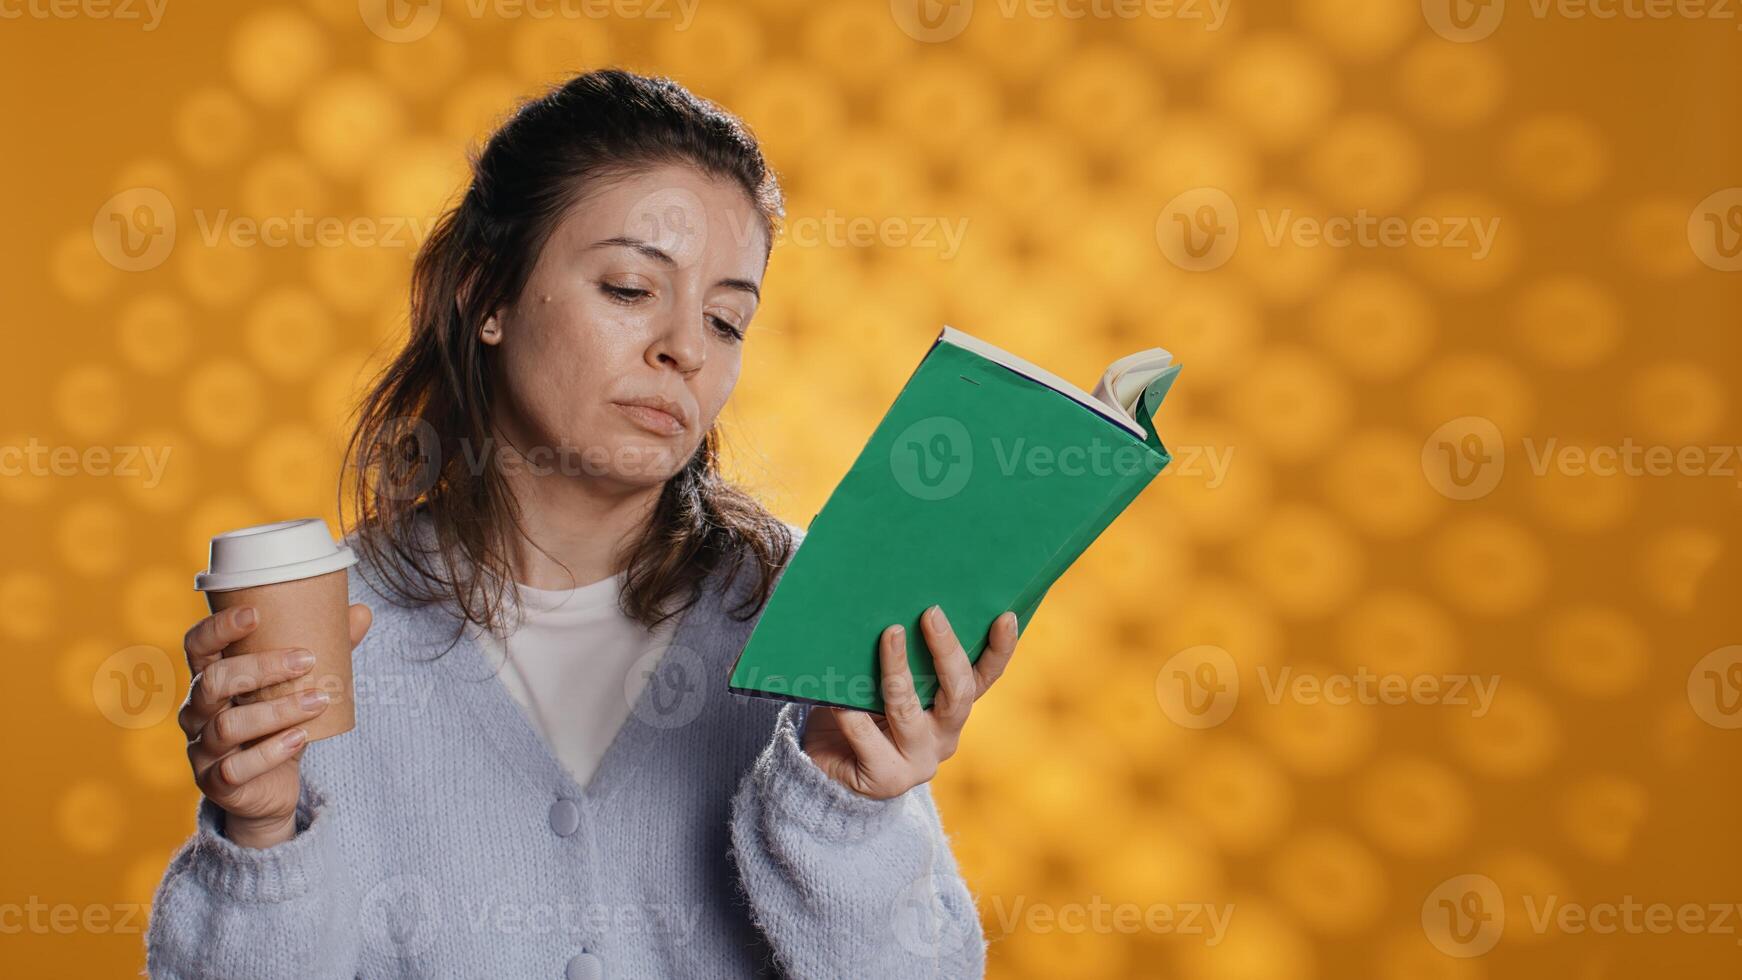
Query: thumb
x=361 y=618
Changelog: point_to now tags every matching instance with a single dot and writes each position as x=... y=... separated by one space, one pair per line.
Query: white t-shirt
x=576 y=665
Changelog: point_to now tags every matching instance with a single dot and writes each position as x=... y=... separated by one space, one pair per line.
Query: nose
x=679 y=340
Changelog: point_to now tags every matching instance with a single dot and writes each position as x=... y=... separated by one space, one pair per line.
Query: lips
x=659 y=415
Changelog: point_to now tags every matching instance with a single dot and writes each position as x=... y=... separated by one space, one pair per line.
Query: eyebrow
x=659 y=255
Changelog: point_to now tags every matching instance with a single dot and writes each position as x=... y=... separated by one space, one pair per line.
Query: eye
x=726 y=328
x=623 y=294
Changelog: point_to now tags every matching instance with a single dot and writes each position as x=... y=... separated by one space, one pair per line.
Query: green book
x=985 y=480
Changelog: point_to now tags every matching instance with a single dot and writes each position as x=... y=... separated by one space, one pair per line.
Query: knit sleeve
x=286 y=911
x=844 y=885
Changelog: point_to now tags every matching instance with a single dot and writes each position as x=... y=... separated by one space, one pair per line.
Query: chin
x=643 y=462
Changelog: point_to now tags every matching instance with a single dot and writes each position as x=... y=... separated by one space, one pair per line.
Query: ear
x=491 y=330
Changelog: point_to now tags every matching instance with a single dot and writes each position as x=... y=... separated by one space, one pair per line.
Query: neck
x=573 y=529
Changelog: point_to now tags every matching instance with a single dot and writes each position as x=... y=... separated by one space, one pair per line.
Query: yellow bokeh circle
x=91 y=816
x=29 y=605
x=213 y=127
x=90 y=400
x=1555 y=159
x=1488 y=566
x=1680 y=402
x=92 y=537
x=1569 y=322
x=1377 y=323
x=1306 y=561
x=346 y=121
x=155 y=332
x=1519 y=735
x=1394 y=631
x=288 y=332
x=1332 y=882
x=222 y=401
x=1414 y=807
x=1451 y=85
x=1366 y=161
x=1374 y=479
x=276 y=52
x=1279 y=88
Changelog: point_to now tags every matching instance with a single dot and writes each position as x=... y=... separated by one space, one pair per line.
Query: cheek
x=557 y=357
x=718 y=385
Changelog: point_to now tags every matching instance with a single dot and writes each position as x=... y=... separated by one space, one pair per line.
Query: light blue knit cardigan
x=442 y=838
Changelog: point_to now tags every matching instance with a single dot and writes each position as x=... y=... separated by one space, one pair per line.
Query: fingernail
x=294 y=738
x=311 y=700
x=302 y=660
x=247 y=617
x=935 y=616
x=897 y=634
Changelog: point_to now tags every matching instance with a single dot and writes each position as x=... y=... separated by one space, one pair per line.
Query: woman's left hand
x=885 y=756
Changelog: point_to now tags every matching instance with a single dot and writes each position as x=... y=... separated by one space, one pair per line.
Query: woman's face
x=624 y=346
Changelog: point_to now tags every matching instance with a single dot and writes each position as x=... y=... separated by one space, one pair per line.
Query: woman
x=547 y=778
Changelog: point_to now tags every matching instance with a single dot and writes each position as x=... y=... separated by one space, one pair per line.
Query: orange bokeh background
x=1373 y=474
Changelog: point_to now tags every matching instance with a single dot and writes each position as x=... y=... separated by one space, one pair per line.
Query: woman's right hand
x=245 y=757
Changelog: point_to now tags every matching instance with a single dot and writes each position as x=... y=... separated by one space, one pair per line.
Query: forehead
x=696 y=219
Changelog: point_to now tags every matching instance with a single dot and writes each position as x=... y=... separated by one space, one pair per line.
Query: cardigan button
x=585 y=966
x=565 y=817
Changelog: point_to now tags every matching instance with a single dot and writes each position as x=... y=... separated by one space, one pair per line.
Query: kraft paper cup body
x=308 y=614
x=296 y=577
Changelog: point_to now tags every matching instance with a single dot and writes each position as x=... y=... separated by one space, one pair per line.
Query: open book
x=1119 y=389
x=984 y=481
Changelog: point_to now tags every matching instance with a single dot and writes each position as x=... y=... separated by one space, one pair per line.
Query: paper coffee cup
x=293 y=574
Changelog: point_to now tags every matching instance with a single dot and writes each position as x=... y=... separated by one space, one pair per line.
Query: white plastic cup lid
x=272 y=553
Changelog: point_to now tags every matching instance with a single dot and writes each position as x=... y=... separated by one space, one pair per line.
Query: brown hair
x=413 y=451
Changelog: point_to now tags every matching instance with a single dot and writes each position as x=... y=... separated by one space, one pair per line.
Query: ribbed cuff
x=793 y=788
x=279 y=873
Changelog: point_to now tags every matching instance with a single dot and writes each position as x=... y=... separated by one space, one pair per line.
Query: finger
x=908 y=726
x=206 y=641
x=213 y=687
x=361 y=619
x=957 y=686
x=873 y=750
x=236 y=726
x=264 y=756
x=1000 y=647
